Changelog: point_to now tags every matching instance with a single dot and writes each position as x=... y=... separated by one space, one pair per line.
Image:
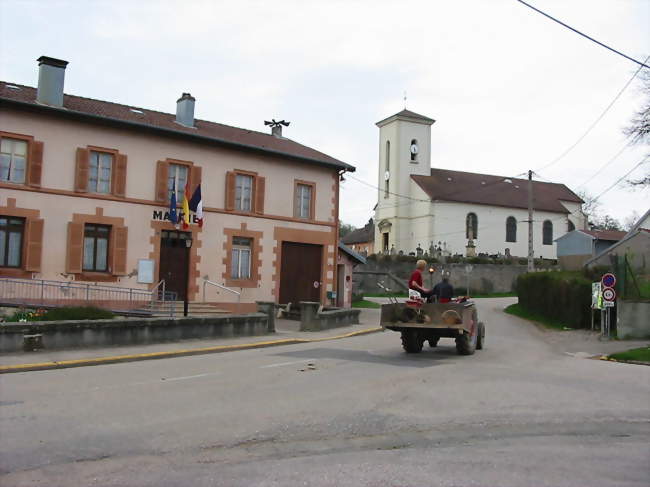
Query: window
x=471 y=226
x=547 y=233
x=303 y=204
x=177 y=177
x=385 y=242
x=511 y=229
x=11 y=241
x=95 y=253
x=13 y=160
x=100 y=168
x=243 y=192
x=387 y=174
x=414 y=150
x=570 y=227
x=241 y=258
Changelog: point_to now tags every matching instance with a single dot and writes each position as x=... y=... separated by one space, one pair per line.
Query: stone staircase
x=196 y=309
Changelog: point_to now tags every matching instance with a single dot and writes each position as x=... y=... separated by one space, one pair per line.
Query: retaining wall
x=57 y=335
x=633 y=319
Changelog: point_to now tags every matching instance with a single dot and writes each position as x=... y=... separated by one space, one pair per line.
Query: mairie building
x=85 y=190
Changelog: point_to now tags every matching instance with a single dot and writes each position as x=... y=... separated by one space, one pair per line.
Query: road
x=351 y=412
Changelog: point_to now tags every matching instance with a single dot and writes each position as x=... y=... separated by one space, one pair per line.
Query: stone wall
x=394 y=273
x=633 y=319
x=57 y=335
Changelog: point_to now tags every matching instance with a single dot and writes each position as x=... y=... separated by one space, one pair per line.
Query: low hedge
x=559 y=296
x=62 y=314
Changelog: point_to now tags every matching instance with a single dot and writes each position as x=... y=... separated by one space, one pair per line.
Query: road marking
x=191 y=376
x=286 y=363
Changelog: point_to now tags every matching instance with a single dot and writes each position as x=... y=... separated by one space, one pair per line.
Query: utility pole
x=531 y=254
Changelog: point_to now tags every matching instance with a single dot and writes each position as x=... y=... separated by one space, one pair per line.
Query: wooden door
x=174 y=262
x=300 y=272
x=340 y=288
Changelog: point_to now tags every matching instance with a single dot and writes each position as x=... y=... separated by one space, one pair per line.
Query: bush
x=559 y=296
x=62 y=314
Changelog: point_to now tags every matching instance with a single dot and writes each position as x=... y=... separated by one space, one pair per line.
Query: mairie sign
x=164 y=216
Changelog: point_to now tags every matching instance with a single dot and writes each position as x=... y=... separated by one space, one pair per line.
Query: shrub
x=560 y=296
x=77 y=313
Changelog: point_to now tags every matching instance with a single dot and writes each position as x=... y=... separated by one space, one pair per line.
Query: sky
x=509 y=89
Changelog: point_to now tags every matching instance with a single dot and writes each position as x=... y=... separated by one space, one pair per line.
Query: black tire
x=411 y=341
x=433 y=342
x=466 y=344
x=480 y=339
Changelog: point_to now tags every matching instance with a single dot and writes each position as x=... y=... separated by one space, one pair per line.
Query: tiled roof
x=611 y=235
x=165 y=122
x=353 y=255
x=484 y=189
x=407 y=114
x=360 y=235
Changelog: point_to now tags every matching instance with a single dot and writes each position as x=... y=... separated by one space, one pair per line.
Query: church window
x=414 y=149
x=570 y=227
x=387 y=175
x=385 y=242
x=547 y=233
x=471 y=226
x=511 y=229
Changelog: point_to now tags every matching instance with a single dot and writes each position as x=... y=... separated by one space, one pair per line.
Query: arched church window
x=471 y=226
x=387 y=173
x=511 y=229
x=414 y=149
x=547 y=232
x=570 y=227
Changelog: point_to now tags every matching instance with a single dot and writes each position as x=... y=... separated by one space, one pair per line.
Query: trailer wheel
x=411 y=341
x=466 y=344
x=433 y=342
x=480 y=339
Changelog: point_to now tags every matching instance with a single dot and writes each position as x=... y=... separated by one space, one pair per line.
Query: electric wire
x=643 y=65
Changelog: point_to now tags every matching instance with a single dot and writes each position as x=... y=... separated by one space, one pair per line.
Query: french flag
x=196 y=204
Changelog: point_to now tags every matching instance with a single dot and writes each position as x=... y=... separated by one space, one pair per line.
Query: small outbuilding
x=348 y=259
x=578 y=246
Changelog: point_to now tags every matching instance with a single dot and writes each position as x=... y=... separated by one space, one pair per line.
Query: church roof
x=407 y=115
x=484 y=189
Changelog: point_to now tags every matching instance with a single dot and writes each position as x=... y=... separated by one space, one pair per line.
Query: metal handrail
x=220 y=286
x=156 y=289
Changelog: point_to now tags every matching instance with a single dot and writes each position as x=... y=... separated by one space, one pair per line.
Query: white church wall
x=577 y=217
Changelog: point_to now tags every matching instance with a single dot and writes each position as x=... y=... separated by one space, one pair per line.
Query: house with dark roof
x=459 y=212
x=576 y=247
x=362 y=240
x=137 y=199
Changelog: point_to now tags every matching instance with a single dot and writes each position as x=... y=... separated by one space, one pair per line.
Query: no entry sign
x=609 y=294
x=608 y=280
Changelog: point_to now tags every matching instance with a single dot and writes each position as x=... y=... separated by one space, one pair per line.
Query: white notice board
x=145 y=271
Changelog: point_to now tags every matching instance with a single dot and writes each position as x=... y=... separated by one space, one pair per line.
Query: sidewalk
x=287 y=333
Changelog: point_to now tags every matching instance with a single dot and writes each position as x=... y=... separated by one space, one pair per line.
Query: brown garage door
x=300 y=269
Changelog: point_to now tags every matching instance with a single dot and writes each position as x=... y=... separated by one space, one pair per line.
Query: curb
x=609 y=359
x=66 y=364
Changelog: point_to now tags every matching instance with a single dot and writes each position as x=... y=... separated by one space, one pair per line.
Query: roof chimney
x=185 y=110
x=51 y=74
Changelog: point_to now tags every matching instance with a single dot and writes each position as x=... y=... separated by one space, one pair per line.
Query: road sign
x=608 y=280
x=609 y=294
x=608 y=304
x=596 y=296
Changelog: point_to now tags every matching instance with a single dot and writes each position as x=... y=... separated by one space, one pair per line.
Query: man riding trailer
x=419 y=320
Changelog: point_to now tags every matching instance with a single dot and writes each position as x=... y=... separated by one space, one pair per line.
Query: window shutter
x=81 y=171
x=260 y=183
x=74 y=258
x=33 y=244
x=35 y=167
x=162 y=174
x=195 y=179
x=119 y=240
x=231 y=181
x=119 y=176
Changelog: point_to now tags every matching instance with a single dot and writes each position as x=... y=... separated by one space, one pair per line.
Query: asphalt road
x=352 y=412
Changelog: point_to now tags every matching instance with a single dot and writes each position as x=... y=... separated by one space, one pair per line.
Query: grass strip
x=517 y=310
x=365 y=304
x=636 y=354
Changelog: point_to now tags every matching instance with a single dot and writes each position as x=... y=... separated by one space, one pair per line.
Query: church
x=421 y=208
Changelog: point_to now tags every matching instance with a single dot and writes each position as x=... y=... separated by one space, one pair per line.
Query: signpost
x=607 y=301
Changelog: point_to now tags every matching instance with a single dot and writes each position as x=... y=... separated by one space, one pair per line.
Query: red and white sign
x=609 y=294
x=608 y=280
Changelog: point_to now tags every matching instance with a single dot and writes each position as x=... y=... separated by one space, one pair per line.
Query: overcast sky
x=510 y=89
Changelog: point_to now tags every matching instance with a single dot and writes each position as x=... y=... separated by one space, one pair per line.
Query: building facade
x=86 y=185
x=576 y=247
x=420 y=208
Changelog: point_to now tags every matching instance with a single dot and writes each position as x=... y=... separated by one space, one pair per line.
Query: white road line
x=191 y=376
x=286 y=363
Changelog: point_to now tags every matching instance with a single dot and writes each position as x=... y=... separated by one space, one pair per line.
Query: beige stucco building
x=85 y=190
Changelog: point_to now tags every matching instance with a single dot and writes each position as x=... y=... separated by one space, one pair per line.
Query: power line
x=598 y=119
x=627 y=144
x=621 y=178
x=643 y=65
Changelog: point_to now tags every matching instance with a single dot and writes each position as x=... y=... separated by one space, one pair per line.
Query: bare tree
x=630 y=220
x=639 y=128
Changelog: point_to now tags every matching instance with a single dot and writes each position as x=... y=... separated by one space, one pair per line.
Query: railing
x=58 y=293
x=220 y=286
